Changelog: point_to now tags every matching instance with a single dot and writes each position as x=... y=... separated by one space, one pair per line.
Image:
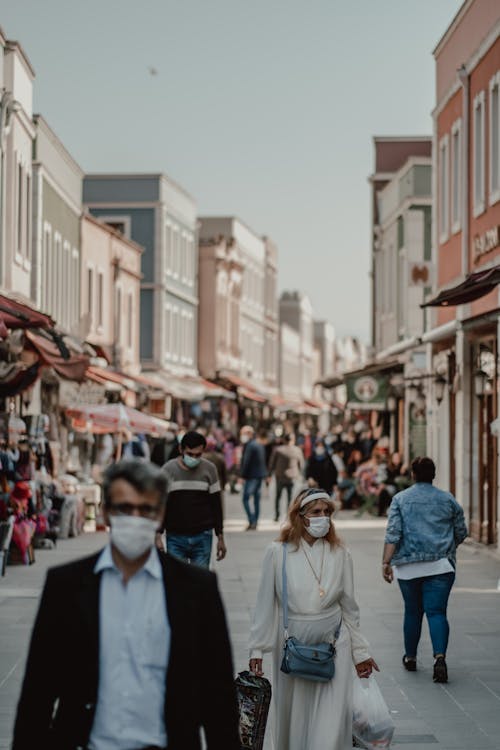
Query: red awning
x=476 y=285
x=252 y=395
x=16 y=315
x=67 y=364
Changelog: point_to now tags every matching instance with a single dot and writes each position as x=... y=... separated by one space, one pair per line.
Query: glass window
x=443 y=187
x=130 y=312
x=20 y=208
x=28 y=218
x=100 y=299
x=478 y=172
x=456 y=176
x=495 y=138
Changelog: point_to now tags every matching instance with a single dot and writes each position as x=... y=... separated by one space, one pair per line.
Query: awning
x=103 y=375
x=252 y=395
x=16 y=315
x=65 y=362
x=476 y=285
x=243 y=387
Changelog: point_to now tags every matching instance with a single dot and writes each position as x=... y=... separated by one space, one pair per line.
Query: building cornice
x=453 y=25
x=12 y=46
x=140 y=176
x=40 y=120
x=113 y=232
x=42 y=169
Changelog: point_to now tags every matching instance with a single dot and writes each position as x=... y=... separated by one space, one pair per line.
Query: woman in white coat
x=310 y=715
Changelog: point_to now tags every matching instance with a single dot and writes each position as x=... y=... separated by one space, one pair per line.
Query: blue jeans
x=252 y=487
x=195 y=549
x=427 y=595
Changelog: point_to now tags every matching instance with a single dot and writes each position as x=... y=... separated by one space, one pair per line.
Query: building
x=16 y=142
x=296 y=312
x=57 y=208
x=251 y=256
x=271 y=318
x=462 y=340
x=157 y=214
x=220 y=283
x=110 y=293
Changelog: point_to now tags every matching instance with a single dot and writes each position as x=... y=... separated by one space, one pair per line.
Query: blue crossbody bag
x=311 y=662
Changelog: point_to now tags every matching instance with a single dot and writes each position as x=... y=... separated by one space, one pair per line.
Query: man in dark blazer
x=130 y=648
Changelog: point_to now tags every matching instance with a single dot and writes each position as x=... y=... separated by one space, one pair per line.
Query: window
x=168 y=249
x=46 y=266
x=56 y=296
x=27 y=238
x=456 y=176
x=75 y=288
x=90 y=296
x=176 y=253
x=66 y=285
x=168 y=331
x=118 y=316
x=130 y=313
x=495 y=139
x=100 y=299
x=444 y=201
x=478 y=154
x=20 y=193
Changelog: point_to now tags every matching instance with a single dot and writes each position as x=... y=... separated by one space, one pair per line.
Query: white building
x=296 y=312
x=16 y=143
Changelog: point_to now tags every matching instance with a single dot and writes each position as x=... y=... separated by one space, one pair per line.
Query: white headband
x=319 y=495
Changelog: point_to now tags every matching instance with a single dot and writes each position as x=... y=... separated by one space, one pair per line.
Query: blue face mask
x=191 y=462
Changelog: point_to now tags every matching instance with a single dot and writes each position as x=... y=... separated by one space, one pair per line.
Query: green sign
x=367 y=392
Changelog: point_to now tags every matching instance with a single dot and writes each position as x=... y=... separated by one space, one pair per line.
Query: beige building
x=110 y=293
x=238 y=270
x=295 y=311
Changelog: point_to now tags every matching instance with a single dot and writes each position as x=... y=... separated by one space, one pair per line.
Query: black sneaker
x=440 y=673
x=410 y=663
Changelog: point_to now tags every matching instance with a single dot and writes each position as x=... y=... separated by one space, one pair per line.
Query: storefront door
x=483 y=509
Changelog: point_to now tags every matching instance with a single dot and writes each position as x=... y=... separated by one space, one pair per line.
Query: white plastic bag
x=372 y=726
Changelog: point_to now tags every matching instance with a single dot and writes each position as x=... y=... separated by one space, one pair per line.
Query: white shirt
x=408 y=571
x=134 y=649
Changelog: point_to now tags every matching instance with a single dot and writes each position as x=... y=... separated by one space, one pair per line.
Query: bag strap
x=285 y=601
x=285 y=593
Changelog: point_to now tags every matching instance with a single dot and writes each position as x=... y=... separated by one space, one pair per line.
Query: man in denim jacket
x=424 y=528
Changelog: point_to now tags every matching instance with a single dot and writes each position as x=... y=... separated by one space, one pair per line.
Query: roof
x=452 y=26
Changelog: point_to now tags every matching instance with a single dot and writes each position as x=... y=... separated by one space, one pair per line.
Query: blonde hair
x=294 y=527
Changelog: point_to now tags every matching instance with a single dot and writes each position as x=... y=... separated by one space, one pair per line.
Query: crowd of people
x=353 y=466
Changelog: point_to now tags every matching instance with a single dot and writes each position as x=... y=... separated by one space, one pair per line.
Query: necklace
x=318 y=578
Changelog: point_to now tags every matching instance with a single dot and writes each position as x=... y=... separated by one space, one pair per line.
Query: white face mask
x=132 y=535
x=319 y=527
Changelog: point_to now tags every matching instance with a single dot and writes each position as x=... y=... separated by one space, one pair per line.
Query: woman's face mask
x=319 y=527
x=320 y=450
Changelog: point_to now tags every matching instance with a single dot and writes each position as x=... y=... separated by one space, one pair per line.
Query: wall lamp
x=480 y=379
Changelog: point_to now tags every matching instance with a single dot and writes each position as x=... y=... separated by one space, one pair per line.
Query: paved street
x=462 y=715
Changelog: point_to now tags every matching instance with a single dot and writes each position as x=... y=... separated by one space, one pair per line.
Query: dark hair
x=144 y=477
x=424 y=469
x=287 y=437
x=193 y=439
x=263 y=433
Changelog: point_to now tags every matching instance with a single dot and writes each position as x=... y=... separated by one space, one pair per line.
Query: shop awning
x=243 y=387
x=252 y=395
x=53 y=352
x=476 y=285
x=17 y=315
x=103 y=375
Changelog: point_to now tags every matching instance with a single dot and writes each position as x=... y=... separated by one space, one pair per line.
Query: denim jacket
x=425 y=524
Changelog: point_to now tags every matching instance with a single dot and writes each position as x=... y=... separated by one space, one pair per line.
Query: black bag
x=254 y=698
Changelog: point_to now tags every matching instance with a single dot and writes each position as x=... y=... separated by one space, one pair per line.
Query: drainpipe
x=465 y=82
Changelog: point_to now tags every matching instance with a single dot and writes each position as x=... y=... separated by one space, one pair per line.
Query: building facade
x=271 y=318
x=110 y=293
x=160 y=216
x=250 y=251
x=57 y=207
x=296 y=312
x=16 y=141
x=464 y=324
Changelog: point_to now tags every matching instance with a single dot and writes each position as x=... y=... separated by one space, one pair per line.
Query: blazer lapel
x=88 y=602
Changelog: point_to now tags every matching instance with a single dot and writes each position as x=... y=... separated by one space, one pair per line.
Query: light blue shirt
x=134 y=649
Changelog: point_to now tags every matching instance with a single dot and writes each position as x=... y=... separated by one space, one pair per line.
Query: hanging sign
x=367 y=392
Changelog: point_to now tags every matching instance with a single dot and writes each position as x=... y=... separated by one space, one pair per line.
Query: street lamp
x=439 y=386
x=420 y=400
x=480 y=379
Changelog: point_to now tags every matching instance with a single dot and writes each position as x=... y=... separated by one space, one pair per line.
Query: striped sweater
x=194 y=501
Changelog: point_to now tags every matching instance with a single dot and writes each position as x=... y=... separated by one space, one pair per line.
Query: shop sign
x=367 y=392
x=421 y=274
x=75 y=394
x=482 y=244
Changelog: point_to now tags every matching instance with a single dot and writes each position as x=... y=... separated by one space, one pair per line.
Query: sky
x=262 y=109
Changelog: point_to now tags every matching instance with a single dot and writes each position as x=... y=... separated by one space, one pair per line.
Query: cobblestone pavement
x=462 y=715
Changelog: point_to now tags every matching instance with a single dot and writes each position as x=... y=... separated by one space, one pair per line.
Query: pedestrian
x=124 y=619
x=321 y=603
x=287 y=462
x=253 y=471
x=194 y=504
x=320 y=469
x=424 y=528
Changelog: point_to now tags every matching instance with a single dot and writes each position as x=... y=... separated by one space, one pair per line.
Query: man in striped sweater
x=194 y=504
